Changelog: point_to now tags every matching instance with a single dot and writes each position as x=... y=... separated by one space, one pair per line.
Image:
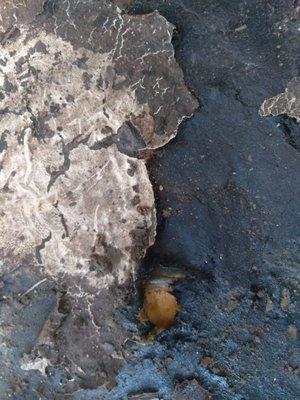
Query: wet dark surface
x=231 y=180
x=228 y=215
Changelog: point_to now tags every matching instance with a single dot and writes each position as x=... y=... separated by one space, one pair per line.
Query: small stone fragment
x=167 y=212
x=292 y=332
x=233 y=357
x=206 y=361
x=191 y=390
x=232 y=304
x=269 y=305
x=284 y=103
x=241 y=28
x=260 y=294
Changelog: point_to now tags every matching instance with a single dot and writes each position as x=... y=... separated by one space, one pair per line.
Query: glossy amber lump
x=160 y=307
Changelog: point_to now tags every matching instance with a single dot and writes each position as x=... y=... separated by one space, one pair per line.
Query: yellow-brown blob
x=160 y=307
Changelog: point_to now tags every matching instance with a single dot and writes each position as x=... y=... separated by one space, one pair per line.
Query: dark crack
x=66 y=149
x=3 y=143
x=12 y=33
x=63 y=222
x=41 y=247
x=290 y=129
x=35 y=122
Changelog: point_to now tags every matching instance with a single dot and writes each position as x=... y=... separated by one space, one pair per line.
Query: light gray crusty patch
x=66 y=204
x=78 y=88
x=284 y=103
x=83 y=225
x=69 y=93
x=68 y=207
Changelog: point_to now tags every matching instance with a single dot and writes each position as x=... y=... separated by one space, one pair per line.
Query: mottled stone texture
x=83 y=88
x=284 y=103
x=16 y=12
x=228 y=215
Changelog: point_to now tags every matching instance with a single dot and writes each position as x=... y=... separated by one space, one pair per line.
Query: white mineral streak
x=39 y=364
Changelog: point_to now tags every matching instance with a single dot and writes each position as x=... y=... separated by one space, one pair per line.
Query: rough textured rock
x=228 y=215
x=191 y=390
x=82 y=87
x=284 y=103
x=80 y=221
x=16 y=12
x=64 y=95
